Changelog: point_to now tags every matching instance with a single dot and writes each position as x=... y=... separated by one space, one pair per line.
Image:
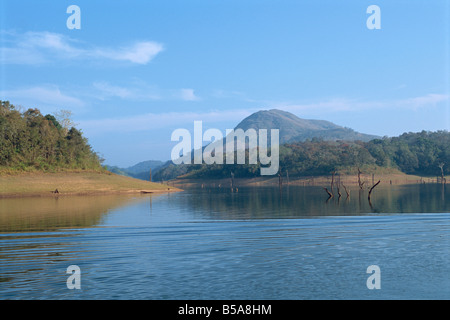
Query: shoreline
x=319 y=181
x=80 y=183
x=88 y=183
x=85 y=194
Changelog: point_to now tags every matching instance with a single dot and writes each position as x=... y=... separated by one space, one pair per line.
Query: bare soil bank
x=75 y=183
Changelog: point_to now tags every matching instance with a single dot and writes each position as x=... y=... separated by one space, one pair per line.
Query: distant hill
x=294 y=129
x=138 y=171
x=316 y=147
x=422 y=153
x=144 y=166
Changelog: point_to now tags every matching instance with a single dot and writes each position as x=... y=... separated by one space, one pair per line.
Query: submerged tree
x=441 y=166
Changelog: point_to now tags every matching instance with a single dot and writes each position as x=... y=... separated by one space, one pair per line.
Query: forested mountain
x=413 y=153
x=316 y=147
x=422 y=153
x=139 y=171
x=292 y=129
x=30 y=140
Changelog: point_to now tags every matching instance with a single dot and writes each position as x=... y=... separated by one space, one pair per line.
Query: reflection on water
x=296 y=202
x=48 y=213
x=256 y=243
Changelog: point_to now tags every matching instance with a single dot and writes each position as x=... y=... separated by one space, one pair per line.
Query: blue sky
x=138 y=70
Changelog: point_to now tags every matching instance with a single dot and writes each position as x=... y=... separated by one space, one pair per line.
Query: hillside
x=422 y=154
x=294 y=129
x=32 y=141
x=138 y=171
x=317 y=148
x=291 y=128
x=40 y=154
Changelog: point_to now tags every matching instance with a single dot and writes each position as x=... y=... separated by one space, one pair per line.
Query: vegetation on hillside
x=424 y=153
x=139 y=171
x=32 y=141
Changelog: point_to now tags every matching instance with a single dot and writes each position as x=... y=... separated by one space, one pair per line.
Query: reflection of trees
x=29 y=251
x=419 y=198
x=268 y=202
x=46 y=214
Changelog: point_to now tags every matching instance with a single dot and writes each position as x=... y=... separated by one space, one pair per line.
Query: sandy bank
x=75 y=183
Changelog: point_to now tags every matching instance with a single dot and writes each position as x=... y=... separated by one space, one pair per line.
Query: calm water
x=212 y=244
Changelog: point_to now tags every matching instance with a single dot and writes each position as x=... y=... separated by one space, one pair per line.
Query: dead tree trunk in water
x=280 y=180
x=232 y=182
x=373 y=187
x=332 y=180
x=330 y=195
x=441 y=166
x=361 y=184
x=346 y=191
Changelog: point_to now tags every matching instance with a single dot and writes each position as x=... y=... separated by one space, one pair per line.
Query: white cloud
x=43 y=95
x=53 y=41
x=46 y=47
x=138 y=91
x=188 y=95
x=37 y=48
x=107 y=90
x=354 y=105
x=20 y=56
x=154 y=121
x=140 y=52
x=424 y=101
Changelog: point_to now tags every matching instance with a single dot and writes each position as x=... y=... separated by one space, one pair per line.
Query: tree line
x=30 y=140
x=424 y=153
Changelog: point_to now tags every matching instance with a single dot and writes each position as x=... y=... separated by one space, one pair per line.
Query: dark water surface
x=214 y=244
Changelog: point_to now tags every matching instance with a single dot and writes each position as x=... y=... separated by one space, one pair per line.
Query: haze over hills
x=139 y=171
x=317 y=147
x=292 y=129
x=295 y=129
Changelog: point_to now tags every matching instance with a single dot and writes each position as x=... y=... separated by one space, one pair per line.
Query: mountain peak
x=295 y=129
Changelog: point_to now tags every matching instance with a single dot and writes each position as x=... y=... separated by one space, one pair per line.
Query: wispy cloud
x=227 y=94
x=154 y=121
x=424 y=101
x=105 y=90
x=188 y=95
x=355 y=105
x=140 y=53
x=44 y=95
x=140 y=91
x=33 y=48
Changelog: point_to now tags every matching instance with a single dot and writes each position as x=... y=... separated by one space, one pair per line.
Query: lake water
x=257 y=243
